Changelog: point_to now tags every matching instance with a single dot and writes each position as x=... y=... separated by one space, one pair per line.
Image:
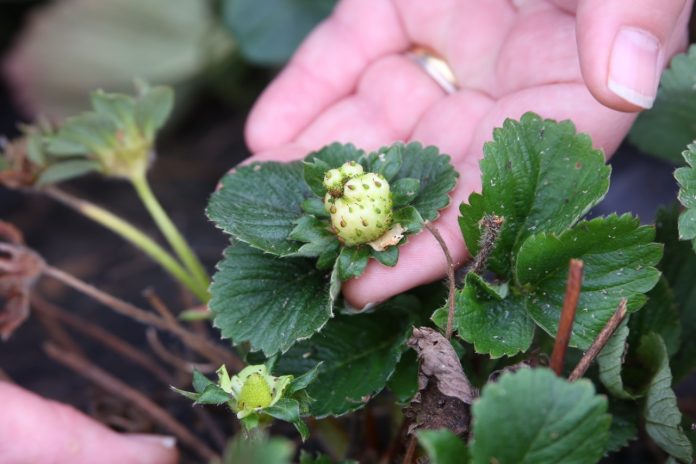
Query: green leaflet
x=358 y=354
x=268 y=301
x=544 y=419
x=662 y=416
x=259 y=203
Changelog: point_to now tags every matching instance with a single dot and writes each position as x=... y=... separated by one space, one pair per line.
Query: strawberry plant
x=559 y=341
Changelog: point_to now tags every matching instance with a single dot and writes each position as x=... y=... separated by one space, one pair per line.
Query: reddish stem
x=565 y=325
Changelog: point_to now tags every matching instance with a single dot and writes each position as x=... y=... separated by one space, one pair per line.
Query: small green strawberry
x=360 y=204
x=255 y=393
x=252 y=389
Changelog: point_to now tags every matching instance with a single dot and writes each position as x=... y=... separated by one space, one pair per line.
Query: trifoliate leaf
x=487 y=316
x=678 y=267
x=268 y=32
x=670 y=125
x=610 y=361
x=543 y=419
x=540 y=176
x=443 y=446
x=267 y=301
x=662 y=416
x=358 y=353
x=259 y=203
x=619 y=257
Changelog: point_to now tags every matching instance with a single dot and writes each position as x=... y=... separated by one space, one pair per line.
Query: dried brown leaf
x=444 y=392
x=20 y=267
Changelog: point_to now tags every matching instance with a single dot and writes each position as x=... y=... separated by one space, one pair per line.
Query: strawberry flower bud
x=359 y=203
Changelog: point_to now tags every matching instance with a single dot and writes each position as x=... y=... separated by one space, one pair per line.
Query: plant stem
x=170 y=231
x=196 y=342
x=565 y=325
x=599 y=342
x=133 y=235
x=120 y=389
x=450 y=278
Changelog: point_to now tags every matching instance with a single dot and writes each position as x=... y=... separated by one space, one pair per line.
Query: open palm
x=352 y=81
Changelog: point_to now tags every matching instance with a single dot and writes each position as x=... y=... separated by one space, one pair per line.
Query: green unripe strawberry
x=335 y=179
x=255 y=393
x=362 y=210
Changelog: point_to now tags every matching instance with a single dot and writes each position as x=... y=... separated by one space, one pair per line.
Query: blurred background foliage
x=56 y=52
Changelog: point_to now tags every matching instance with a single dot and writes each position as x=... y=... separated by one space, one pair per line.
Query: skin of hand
x=596 y=62
x=36 y=430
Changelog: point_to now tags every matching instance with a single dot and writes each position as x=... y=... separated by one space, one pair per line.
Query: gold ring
x=436 y=67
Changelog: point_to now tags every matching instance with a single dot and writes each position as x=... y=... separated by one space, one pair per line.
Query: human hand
x=35 y=430
x=595 y=62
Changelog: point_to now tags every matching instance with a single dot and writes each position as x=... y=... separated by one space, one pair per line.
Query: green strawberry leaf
x=678 y=267
x=540 y=176
x=494 y=321
x=443 y=446
x=610 y=361
x=544 y=419
x=619 y=257
x=259 y=204
x=670 y=125
x=268 y=301
x=358 y=354
x=387 y=161
x=404 y=382
x=404 y=191
x=662 y=416
x=624 y=424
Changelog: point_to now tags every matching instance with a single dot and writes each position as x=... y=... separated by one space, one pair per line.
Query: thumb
x=33 y=429
x=625 y=45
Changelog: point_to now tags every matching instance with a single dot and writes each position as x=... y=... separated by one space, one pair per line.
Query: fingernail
x=161 y=440
x=634 y=67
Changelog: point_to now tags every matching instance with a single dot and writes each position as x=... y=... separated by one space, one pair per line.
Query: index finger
x=325 y=68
